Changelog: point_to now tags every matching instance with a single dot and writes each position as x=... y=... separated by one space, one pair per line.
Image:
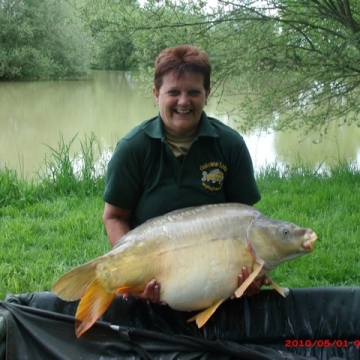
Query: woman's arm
x=116 y=221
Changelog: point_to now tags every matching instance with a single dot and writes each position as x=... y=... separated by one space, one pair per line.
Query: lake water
x=34 y=115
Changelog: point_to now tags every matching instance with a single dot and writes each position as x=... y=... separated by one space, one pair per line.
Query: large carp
x=196 y=254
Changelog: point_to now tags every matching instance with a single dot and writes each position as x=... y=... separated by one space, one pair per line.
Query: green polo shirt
x=144 y=175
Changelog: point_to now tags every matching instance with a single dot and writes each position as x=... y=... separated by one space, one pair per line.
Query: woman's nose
x=183 y=99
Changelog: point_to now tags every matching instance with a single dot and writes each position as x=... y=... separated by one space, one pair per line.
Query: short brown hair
x=182 y=59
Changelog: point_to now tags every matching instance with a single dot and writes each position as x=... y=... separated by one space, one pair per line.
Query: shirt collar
x=155 y=128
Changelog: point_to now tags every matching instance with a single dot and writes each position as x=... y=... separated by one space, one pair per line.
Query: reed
x=63 y=173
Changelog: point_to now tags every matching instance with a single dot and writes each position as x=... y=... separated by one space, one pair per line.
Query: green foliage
x=113 y=47
x=13 y=188
x=306 y=71
x=64 y=173
x=68 y=173
x=41 y=39
x=115 y=51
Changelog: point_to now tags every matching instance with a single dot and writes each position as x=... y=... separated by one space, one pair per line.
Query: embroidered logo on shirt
x=212 y=175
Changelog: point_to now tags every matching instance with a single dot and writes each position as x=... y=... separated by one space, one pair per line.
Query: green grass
x=53 y=222
x=45 y=239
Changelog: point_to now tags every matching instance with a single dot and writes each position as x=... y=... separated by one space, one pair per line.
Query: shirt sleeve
x=124 y=179
x=241 y=184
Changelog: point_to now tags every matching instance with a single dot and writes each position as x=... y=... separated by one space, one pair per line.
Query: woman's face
x=181 y=101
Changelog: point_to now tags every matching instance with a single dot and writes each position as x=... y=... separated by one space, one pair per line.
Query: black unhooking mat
x=313 y=323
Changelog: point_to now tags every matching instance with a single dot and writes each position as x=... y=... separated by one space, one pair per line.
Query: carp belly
x=203 y=275
x=195 y=296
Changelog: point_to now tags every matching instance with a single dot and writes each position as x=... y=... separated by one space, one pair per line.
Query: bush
x=41 y=39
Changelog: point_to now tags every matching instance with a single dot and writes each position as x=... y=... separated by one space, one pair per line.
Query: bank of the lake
x=53 y=223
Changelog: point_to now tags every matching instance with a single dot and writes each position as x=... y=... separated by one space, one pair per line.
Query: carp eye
x=286 y=231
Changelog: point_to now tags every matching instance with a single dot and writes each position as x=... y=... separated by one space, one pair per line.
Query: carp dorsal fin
x=202 y=317
x=92 y=305
x=240 y=291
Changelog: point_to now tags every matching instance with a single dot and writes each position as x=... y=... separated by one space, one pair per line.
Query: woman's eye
x=194 y=93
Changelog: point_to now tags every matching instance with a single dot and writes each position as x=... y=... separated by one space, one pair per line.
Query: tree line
x=296 y=63
x=41 y=39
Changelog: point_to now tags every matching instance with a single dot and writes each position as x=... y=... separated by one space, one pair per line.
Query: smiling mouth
x=182 y=112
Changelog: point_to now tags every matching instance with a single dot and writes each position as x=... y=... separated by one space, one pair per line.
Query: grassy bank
x=53 y=222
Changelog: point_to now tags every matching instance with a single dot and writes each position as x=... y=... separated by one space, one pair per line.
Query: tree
x=115 y=51
x=41 y=39
x=308 y=68
x=296 y=62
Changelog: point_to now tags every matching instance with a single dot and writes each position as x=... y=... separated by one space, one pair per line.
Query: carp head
x=274 y=241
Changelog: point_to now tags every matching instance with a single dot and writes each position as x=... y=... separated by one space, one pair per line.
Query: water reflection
x=341 y=143
x=109 y=104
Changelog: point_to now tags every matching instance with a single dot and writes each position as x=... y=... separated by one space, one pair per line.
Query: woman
x=178 y=159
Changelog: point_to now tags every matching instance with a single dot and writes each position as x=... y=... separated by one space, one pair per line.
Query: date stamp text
x=321 y=343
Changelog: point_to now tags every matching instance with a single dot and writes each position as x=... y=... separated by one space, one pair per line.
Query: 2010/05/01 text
x=320 y=343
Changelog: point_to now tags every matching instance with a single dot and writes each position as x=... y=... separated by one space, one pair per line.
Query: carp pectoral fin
x=240 y=291
x=128 y=289
x=202 y=317
x=282 y=291
x=92 y=305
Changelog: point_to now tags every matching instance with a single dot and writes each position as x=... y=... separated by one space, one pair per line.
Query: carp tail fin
x=92 y=305
x=202 y=317
x=240 y=291
x=72 y=285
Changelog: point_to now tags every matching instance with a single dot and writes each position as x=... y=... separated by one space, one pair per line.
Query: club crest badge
x=213 y=175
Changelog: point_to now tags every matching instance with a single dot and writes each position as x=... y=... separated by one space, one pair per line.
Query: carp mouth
x=310 y=238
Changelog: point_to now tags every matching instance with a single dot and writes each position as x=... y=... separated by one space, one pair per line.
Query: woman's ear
x=156 y=94
x=207 y=95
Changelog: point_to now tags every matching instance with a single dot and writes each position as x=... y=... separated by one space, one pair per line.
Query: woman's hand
x=255 y=286
x=151 y=293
